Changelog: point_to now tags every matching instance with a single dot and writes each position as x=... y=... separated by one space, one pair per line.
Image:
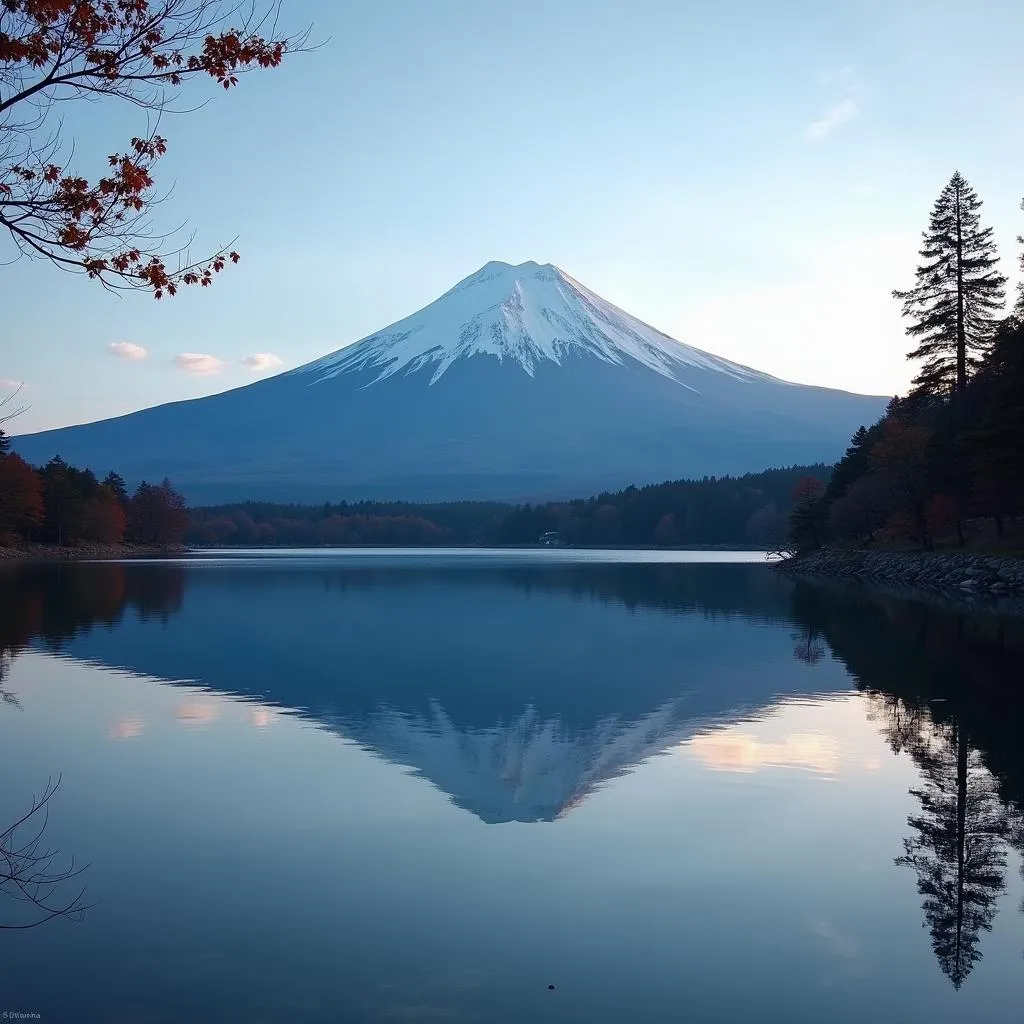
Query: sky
x=751 y=178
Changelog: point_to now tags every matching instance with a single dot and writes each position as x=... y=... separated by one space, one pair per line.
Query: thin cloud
x=263 y=362
x=199 y=363
x=6 y=384
x=127 y=350
x=839 y=113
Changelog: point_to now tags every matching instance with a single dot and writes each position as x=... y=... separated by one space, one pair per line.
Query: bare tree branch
x=6 y=413
x=31 y=873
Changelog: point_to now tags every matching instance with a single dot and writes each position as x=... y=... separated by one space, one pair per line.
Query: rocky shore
x=952 y=574
x=85 y=552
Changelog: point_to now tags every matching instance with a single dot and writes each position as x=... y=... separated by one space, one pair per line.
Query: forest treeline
x=949 y=456
x=751 y=509
x=61 y=504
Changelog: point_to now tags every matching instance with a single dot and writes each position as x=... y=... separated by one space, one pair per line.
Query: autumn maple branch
x=52 y=51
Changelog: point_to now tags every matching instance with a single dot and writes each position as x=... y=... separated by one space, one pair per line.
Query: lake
x=429 y=785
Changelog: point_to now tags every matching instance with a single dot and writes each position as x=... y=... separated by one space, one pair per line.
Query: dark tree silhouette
x=114 y=482
x=900 y=458
x=806 y=521
x=958 y=850
x=958 y=294
x=996 y=446
x=1018 y=309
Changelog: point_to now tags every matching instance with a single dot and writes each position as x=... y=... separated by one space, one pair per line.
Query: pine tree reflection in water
x=941 y=684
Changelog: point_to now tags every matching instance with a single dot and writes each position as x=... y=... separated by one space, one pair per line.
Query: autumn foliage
x=21 y=497
x=103 y=518
x=138 y=51
x=61 y=504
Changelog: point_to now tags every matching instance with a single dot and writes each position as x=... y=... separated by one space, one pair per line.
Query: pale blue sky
x=751 y=177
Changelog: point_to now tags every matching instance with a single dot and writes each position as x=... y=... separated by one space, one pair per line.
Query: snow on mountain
x=517 y=384
x=523 y=314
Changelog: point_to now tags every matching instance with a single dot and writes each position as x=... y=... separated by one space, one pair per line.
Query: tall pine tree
x=1018 y=310
x=959 y=293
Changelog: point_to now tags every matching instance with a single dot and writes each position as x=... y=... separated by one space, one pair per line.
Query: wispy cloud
x=6 y=384
x=263 y=362
x=839 y=113
x=199 y=363
x=127 y=350
x=202 y=364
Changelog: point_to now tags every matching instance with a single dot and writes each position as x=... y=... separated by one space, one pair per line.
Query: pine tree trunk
x=921 y=522
x=961 y=332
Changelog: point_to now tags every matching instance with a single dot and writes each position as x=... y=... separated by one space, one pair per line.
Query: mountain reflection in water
x=401 y=660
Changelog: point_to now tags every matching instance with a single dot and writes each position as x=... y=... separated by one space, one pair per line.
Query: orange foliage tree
x=138 y=51
x=103 y=518
x=21 y=495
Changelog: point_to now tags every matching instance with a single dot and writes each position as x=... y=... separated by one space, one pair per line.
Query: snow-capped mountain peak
x=523 y=314
x=553 y=392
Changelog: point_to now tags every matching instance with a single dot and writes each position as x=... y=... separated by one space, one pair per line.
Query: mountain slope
x=516 y=383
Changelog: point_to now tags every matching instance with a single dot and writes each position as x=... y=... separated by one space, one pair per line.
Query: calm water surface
x=422 y=786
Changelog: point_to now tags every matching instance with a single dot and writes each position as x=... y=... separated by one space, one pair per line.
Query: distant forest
x=62 y=504
x=749 y=510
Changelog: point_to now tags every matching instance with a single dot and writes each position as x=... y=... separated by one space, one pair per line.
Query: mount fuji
x=518 y=383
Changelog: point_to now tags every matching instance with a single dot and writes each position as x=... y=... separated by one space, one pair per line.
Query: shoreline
x=965 y=578
x=87 y=552
x=94 y=551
